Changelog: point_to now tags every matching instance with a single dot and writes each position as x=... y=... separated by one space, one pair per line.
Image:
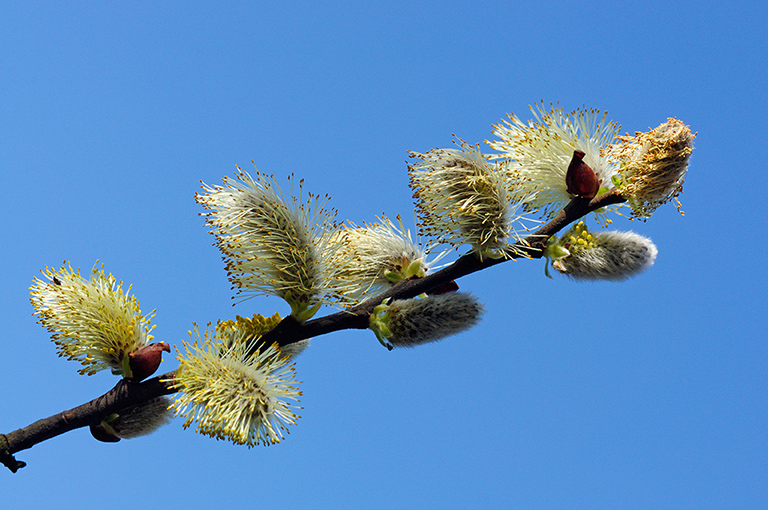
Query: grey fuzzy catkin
x=420 y=320
x=295 y=348
x=614 y=256
x=142 y=419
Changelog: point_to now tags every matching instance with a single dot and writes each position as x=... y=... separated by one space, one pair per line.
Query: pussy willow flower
x=253 y=328
x=653 y=165
x=233 y=391
x=541 y=150
x=376 y=256
x=92 y=321
x=273 y=244
x=245 y=328
x=411 y=322
x=462 y=198
x=604 y=255
x=141 y=419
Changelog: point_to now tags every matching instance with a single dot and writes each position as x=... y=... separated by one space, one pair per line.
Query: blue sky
x=645 y=394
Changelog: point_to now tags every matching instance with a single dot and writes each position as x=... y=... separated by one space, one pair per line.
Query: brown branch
x=126 y=393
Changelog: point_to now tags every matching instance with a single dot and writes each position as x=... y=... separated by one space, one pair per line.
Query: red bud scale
x=580 y=178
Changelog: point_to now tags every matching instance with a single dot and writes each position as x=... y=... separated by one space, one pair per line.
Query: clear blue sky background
x=644 y=394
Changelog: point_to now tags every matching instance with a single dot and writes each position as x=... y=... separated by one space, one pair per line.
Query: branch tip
x=7 y=458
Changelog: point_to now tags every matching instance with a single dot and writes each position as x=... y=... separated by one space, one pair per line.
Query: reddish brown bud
x=580 y=178
x=145 y=361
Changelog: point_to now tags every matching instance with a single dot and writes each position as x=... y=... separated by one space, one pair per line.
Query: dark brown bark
x=124 y=394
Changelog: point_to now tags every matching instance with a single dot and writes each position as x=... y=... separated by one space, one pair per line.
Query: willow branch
x=126 y=393
x=356 y=317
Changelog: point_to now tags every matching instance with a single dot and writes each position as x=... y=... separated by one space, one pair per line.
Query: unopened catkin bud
x=606 y=255
x=146 y=360
x=411 y=322
x=138 y=420
x=295 y=348
x=580 y=179
x=142 y=419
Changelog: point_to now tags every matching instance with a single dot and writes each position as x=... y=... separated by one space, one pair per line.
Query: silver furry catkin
x=142 y=419
x=416 y=321
x=608 y=256
x=294 y=349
